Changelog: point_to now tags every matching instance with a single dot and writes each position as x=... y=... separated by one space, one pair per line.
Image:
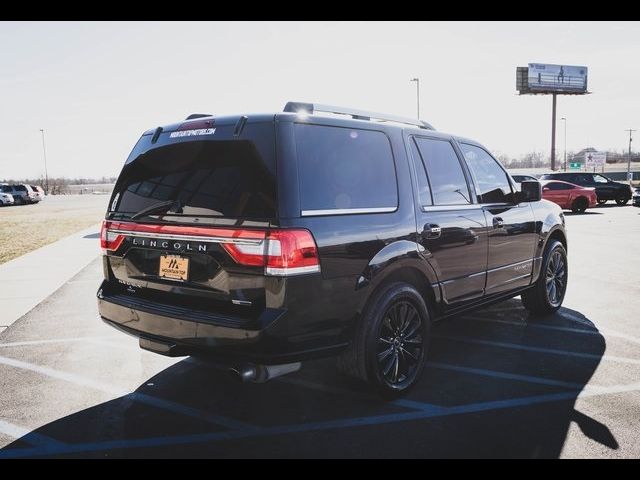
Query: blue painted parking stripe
x=120 y=392
x=529 y=348
x=539 y=326
x=290 y=429
x=508 y=376
x=402 y=402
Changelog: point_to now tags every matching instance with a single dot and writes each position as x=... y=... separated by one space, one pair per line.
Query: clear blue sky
x=95 y=87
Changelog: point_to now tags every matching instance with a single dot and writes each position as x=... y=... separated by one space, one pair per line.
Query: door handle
x=431 y=231
x=498 y=222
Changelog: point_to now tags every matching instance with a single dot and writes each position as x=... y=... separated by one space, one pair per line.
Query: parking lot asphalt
x=497 y=383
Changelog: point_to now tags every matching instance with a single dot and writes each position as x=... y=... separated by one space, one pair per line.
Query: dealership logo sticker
x=193 y=133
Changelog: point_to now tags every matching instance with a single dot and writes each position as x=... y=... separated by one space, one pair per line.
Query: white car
x=38 y=190
x=6 y=199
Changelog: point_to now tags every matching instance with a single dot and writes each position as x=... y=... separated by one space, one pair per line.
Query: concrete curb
x=28 y=280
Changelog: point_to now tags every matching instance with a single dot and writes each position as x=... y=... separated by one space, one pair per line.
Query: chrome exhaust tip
x=262 y=373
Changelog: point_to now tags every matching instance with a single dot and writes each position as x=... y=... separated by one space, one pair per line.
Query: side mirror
x=530 y=191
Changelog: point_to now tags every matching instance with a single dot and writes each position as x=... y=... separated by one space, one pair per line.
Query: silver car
x=6 y=199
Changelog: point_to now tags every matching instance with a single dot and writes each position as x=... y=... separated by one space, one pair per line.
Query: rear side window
x=446 y=178
x=344 y=168
x=424 y=190
x=20 y=188
x=220 y=178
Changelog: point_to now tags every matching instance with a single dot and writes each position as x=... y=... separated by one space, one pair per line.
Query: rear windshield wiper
x=159 y=207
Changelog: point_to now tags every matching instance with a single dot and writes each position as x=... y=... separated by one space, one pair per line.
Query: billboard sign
x=595 y=159
x=549 y=78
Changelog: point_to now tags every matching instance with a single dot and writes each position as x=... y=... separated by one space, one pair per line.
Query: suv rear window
x=344 y=168
x=222 y=177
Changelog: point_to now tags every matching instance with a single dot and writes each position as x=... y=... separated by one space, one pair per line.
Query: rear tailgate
x=224 y=190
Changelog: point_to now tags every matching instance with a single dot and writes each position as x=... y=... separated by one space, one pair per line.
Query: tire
x=391 y=340
x=621 y=200
x=547 y=294
x=601 y=202
x=579 y=205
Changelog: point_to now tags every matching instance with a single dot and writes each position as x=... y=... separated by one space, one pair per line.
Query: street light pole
x=565 y=142
x=417 y=80
x=46 y=175
x=630 y=130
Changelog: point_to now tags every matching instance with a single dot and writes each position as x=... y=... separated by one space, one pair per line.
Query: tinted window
x=446 y=178
x=424 y=190
x=558 y=186
x=20 y=188
x=343 y=168
x=228 y=178
x=5 y=189
x=492 y=183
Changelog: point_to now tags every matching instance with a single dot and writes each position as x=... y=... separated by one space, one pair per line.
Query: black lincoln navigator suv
x=259 y=241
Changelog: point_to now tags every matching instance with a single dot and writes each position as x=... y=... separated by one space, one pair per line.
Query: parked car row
x=20 y=194
x=578 y=191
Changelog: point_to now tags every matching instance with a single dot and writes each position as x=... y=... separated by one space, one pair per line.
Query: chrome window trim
x=346 y=211
x=441 y=208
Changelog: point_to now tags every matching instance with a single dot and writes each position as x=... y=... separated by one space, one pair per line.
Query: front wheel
x=547 y=294
x=391 y=341
x=622 y=200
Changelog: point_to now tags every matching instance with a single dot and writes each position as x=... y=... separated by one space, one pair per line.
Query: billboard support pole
x=553 y=134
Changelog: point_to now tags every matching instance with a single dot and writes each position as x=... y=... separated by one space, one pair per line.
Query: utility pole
x=630 y=130
x=46 y=175
x=417 y=80
x=553 y=134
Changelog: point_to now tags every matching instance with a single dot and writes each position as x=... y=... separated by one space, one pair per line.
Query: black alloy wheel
x=400 y=344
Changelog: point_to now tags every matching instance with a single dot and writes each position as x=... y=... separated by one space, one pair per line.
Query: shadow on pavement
x=498 y=384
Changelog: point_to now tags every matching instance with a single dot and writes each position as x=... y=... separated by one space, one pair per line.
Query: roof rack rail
x=198 y=115
x=310 y=108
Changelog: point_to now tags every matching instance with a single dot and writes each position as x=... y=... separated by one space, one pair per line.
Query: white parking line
x=120 y=392
x=26 y=435
x=50 y=340
x=528 y=348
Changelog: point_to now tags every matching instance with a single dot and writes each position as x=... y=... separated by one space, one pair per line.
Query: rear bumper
x=175 y=332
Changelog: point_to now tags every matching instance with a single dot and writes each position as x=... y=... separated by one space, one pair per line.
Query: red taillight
x=280 y=252
x=285 y=252
x=109 y=241
x=290 y=252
